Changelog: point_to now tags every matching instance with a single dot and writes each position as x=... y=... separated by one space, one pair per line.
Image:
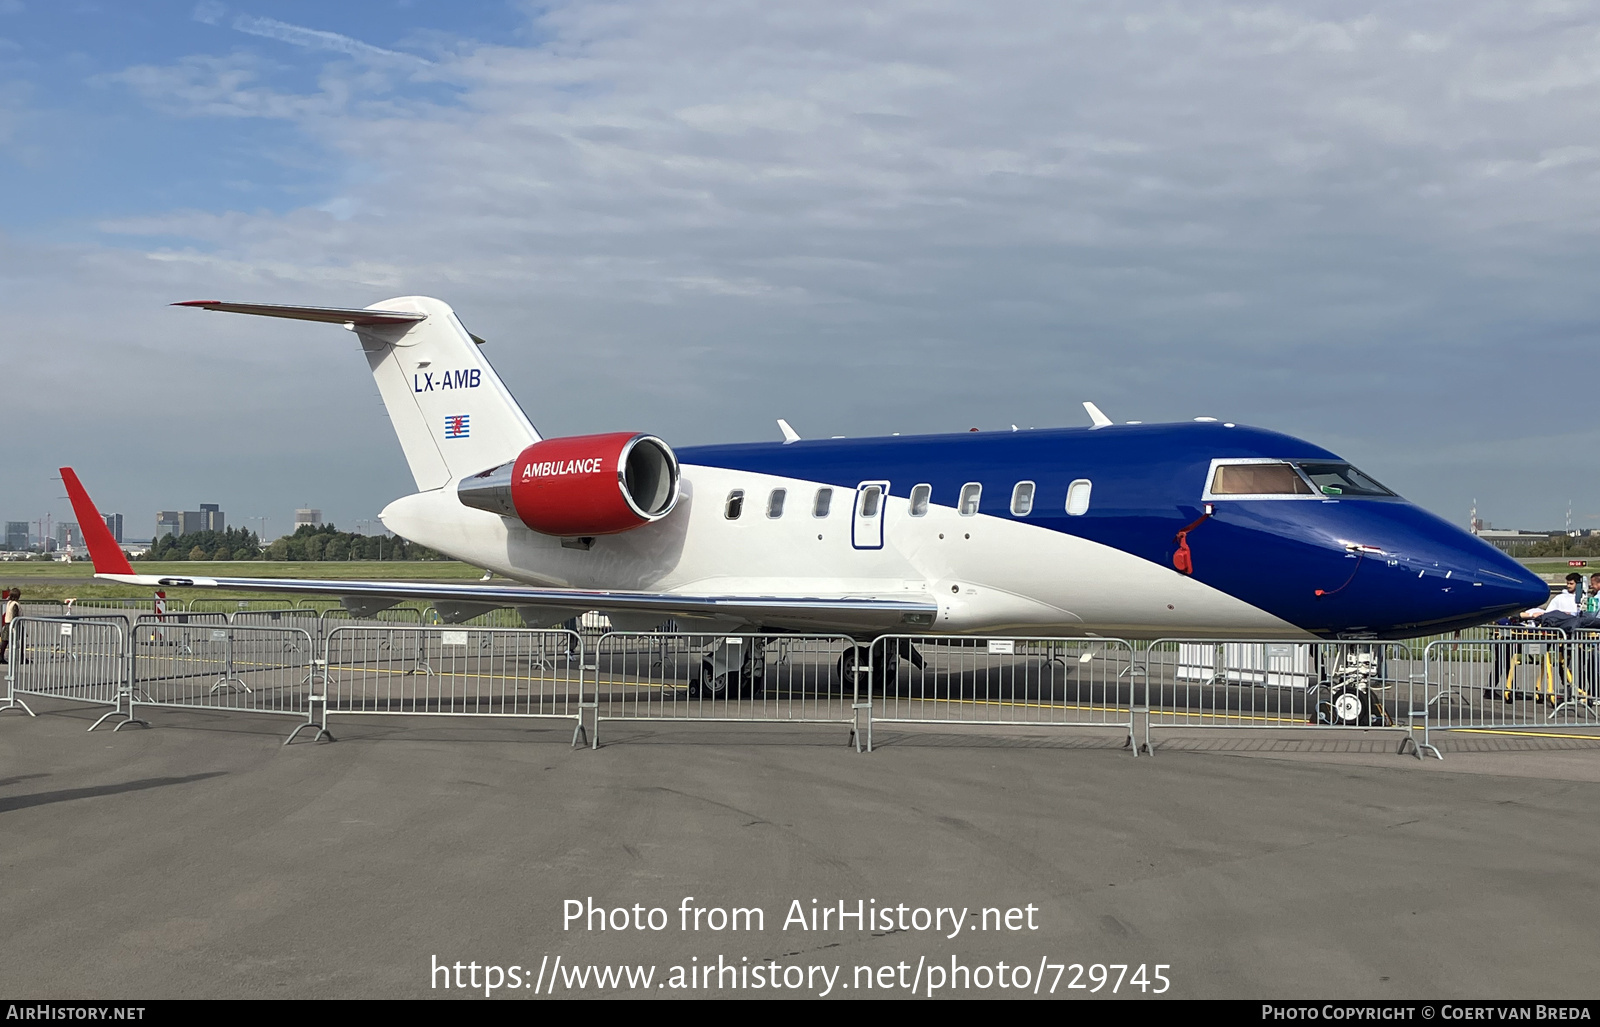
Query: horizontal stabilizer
x=332 y=315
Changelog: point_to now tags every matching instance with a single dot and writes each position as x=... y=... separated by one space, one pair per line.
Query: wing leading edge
x=836 y=611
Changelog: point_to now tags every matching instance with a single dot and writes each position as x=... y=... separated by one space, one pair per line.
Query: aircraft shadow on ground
x=17 y=802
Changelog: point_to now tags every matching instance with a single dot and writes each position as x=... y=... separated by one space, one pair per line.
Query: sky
x=1373 y=226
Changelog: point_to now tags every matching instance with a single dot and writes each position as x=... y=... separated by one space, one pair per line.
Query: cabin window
x=1022 y=499
x=775 y=502
x=735 y=505
x=1258 y=479
x=970 y=493
x=919 y=500
x=870 y=497
x=824 y=501
x=1078 y=497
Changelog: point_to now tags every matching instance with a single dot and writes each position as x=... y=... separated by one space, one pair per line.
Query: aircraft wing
x=470 y=600
x=462 y=602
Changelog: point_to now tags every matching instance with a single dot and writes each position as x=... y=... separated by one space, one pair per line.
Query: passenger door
x=866 y=529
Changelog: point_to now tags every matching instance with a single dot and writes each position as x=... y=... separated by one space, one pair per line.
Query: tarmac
x=201 y=858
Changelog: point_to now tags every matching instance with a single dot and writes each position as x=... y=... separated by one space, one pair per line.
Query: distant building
x=114 y=525
x=17 y=536
x=212 y=517
x=307 y=518
x=67 y=535
x=169 y=523
x=1508 y=541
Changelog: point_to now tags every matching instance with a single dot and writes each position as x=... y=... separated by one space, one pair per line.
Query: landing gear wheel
x=885 y=669
x=852 y=670
x=1349 y=708
x=708 y=685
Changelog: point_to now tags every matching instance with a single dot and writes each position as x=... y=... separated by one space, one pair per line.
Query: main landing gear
x=876 y=667
x=735 y=669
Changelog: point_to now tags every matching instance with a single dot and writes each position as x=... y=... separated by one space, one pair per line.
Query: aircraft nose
x=1422 y=574
x=1480 y=579
x=1521 y=589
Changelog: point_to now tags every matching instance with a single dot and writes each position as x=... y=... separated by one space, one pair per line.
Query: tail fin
x=452 y=413
x=103 y=549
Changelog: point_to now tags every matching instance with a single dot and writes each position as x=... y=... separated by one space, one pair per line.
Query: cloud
x=874 y=217
x=211 y=12
x=316 y=39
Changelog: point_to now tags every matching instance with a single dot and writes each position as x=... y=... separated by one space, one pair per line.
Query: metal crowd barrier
x=312 y=665
x=234 y=605
x=74 y=658
x=279 y=617
x=173 y=605
x=338 y=616
x=151 y=625
x=460 y=671
x=1059 y=682
x=744 y=678
x=215 y=665
x=1522 y=682
x=1190 y=683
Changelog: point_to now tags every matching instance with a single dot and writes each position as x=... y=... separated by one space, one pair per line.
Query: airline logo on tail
x=457 y=426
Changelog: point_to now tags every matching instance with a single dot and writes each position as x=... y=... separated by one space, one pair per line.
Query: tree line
x=308 y=543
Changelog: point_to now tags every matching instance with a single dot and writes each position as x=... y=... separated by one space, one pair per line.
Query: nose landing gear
x=1353 y=700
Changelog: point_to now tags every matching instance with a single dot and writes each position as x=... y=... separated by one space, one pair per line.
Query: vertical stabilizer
x=452 y=413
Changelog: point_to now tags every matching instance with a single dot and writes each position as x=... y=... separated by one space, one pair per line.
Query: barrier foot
x=1575 y=704
x=228 y=682
x=580 y=734
x=1134 y=716
x=861 y=708
x=1417 y=748
x=15 y=704
x=131 y=719
x=323 y=734
x=1411 y=738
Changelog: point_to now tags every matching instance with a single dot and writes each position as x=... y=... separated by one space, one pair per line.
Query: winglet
x=789 y=434
x=1100 y=420
x=103 y=549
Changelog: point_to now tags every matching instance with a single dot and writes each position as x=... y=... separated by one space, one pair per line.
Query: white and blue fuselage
x=1292 y=565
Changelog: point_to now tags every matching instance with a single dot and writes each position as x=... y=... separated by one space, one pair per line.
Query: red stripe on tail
x=103 y=549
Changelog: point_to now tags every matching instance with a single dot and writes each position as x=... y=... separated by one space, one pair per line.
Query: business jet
x=1201 y=529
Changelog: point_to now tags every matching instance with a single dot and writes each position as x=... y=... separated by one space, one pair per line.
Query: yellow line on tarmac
x=1528 y=734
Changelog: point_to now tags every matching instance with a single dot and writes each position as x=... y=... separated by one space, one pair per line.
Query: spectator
x=10 y=610
x=1562 y=602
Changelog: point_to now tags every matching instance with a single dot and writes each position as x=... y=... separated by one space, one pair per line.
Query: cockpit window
x=1258 y=479
x=1341 y=480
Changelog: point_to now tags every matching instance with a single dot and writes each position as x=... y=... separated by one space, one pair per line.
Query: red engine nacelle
x=583 y=485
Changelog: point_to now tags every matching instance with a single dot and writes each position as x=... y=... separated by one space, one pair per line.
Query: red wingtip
x=197 y=303
x=103 y=549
